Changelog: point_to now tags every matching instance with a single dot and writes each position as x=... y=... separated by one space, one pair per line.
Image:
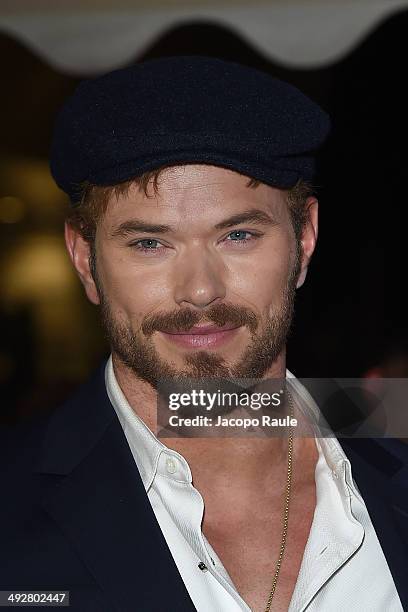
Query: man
x=193 y=224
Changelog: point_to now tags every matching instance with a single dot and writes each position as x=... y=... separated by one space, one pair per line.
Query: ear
x=79 y=252
x=309 y=237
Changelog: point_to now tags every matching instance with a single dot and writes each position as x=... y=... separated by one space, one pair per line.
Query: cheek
x=133 y=292
x=262 y=279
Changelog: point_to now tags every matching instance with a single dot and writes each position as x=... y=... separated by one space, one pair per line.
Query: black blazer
x=74 y=514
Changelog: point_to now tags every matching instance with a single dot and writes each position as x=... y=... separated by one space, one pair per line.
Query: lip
x=205 y=336
x=207 y=328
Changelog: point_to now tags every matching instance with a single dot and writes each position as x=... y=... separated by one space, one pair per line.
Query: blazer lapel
x=374 y=468
x=101 y=505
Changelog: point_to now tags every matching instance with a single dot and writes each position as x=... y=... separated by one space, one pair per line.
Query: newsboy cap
x=185 y=110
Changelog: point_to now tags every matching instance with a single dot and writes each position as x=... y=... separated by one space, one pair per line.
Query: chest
x=250 y=553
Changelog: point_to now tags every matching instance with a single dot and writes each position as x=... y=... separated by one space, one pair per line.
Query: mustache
x=182 y=320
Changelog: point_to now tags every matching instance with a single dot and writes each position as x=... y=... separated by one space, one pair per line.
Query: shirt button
x=171 y=465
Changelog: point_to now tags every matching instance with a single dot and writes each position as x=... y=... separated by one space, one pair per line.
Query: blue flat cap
x=185 y=110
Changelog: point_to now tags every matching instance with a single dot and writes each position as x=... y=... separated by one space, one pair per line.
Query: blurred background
x=350 y=57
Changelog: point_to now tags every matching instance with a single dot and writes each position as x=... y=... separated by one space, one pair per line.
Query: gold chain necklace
x=285 y=511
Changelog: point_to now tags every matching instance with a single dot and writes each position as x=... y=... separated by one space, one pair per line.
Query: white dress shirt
x=343 y=566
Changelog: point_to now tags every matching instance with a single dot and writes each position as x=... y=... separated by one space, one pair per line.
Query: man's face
x=226 y=258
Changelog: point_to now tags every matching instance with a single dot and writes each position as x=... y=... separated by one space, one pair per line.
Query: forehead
x=195 y=191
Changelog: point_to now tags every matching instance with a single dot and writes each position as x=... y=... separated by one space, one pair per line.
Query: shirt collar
x=327 y=443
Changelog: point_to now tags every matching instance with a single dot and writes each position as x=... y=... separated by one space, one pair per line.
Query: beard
x=136 y=349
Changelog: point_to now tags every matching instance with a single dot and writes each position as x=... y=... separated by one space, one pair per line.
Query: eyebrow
x=257 y=216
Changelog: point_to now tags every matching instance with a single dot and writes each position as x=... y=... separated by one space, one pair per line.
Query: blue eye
x=238 y=234
x=146 y=243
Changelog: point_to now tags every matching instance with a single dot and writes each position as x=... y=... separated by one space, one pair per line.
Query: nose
x=199 y=280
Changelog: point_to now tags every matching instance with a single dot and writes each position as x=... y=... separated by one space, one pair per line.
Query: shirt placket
x=188 y=515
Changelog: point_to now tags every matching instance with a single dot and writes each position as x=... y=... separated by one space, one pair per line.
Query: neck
x=238 y=460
